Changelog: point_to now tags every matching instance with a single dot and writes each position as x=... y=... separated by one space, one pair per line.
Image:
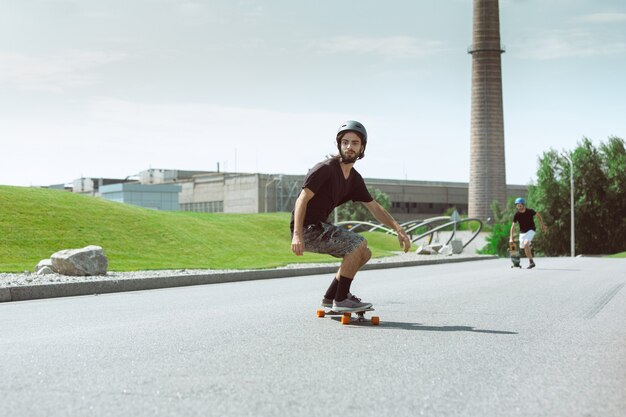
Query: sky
x=109 y=88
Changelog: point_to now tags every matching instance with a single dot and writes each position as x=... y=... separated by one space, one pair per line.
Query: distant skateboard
x=346 y=316
x=515 y=256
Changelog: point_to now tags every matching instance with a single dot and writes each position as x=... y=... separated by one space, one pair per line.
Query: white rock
x=446 y=250
x=89 y=260
x=42 y=263
x=423 y=250
x=457 y=246
x=45 y=270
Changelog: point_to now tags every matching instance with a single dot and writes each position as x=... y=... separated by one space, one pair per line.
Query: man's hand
x=297 y=245
x=385 y=218
x=405 y=242
x=544 y=228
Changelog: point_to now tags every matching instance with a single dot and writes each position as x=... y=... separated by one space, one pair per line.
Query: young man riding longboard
x=329 y=184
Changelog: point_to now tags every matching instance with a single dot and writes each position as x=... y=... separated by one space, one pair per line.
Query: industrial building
x=157 y=197
x=205 y=191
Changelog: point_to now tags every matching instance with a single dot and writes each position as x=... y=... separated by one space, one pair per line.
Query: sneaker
x=350 y=305
x=328 y=303
x=531 y=265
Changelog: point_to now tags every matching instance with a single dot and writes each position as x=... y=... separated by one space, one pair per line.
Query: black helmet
x=353 y=126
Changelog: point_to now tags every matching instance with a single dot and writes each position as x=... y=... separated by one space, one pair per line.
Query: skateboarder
x=329 y=184
x=524 y=217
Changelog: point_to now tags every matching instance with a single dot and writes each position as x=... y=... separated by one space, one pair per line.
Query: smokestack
x=487 y=166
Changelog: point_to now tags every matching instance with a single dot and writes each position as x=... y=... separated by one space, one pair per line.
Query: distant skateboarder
x=329 y=184
x=524 y=217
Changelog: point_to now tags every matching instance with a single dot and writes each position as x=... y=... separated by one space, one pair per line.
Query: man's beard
x=345 y=159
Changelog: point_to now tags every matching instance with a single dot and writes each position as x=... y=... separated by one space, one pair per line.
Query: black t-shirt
x=525 y=220
x=331 y=189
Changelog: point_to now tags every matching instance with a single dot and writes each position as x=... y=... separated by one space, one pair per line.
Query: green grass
x=35 y=223
x=618 y=255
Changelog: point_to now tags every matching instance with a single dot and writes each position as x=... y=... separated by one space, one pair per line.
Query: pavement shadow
x=555 y=269
x=421 y=327
x=424 y=328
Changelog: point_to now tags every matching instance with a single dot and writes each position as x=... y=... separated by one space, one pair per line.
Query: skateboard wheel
x=375 y=320
x=320 y=313
x=345 y=319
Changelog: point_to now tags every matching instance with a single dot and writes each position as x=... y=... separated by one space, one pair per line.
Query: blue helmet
x=520 y=200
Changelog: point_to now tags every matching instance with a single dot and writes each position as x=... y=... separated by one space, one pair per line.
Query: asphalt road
x=469 y=339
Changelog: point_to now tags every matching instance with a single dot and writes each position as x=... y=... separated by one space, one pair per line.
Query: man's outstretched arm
x=544 y=228
x=512 y=233
x=385 y=218
x=297 y=243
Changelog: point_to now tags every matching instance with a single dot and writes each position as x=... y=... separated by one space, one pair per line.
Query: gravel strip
x=32 y=279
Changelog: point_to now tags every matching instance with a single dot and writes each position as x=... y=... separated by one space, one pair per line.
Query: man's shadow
x=556 y=269
x=421 y=327
x=424 y=328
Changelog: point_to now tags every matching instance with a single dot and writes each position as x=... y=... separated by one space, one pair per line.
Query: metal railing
x=433 y=224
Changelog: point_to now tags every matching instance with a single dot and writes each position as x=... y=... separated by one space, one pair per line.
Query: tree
x=599 y=201
x=358 y=212
x=550 y=197
x=599 y=198
x=591 y=210
x=498 y=240
x=615 y=160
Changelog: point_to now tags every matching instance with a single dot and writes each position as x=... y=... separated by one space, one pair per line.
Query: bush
x=498 y=240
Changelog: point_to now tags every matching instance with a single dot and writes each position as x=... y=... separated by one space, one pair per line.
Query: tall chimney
x=487 y=167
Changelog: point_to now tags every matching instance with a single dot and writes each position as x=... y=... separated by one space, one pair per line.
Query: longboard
x=515 y=255
x=346 y=316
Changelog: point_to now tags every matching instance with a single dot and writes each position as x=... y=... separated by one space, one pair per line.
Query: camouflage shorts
x=330 y=239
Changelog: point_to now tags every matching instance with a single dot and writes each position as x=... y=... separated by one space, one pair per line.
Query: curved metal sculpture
x=448 y=224
x=356 y=225
x=434 y=225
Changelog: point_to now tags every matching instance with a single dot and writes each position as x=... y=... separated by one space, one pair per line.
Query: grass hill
x=35 y=223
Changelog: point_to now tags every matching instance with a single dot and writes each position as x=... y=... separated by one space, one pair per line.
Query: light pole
x=571 y=202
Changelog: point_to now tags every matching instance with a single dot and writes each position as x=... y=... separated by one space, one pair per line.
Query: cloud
x=116 y=138
x=200 y=134
x=56 y=73
x=604 y=18
x=387 y=47
x=556 y=44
